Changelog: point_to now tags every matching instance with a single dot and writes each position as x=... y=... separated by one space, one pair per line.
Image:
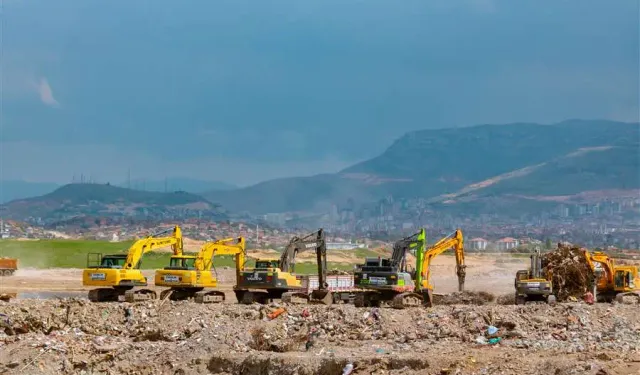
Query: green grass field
x=74 y=253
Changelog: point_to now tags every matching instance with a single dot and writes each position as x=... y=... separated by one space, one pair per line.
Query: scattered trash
x=492 y=330
x=348 y=369
x=588 y=298
x=276 y=313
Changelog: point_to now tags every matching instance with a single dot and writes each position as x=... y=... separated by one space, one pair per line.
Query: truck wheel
x=520 y=300
x=7 y=272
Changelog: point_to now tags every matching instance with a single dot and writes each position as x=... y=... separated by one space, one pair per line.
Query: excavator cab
x=181 y=263
x=115 y=261
x=263 y=264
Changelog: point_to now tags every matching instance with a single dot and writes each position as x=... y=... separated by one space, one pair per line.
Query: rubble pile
x=570 y=272
x=464 y=298
x=73 y=335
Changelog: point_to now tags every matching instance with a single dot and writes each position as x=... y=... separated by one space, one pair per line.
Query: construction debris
x=72 y=335
x=571 y=275
x=463 y=298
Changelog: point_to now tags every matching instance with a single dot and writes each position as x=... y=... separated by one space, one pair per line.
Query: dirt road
x=484 y=273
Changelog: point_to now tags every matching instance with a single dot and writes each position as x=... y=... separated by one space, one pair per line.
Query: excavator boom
x=423 y=271
x=145 y=245
x=322 y=294
x=295 y=246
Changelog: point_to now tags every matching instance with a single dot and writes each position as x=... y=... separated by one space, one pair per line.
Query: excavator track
x=134 y=295
x=295 y=297
x=249 y=297
x=367 y=299
x=405 y=300
x=621 y=297
x=103 y=295
x=209 y=296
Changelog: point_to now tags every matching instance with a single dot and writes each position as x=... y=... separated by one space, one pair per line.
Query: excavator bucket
x=427 y=296
x=322 y=296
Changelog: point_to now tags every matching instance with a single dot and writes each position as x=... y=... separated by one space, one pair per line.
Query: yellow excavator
x=453 y=241
x=612 y=281
x=119 y=275
x=274 y=278
x=188 y=276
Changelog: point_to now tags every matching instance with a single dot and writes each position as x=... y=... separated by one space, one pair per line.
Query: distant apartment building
x=507 y=243
x=478 y=243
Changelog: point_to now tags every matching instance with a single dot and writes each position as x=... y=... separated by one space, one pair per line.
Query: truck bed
x=8 y=266
x=337 y=283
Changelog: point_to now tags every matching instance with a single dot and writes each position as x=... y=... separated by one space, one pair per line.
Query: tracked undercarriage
x=121 y=295
x=193 y=294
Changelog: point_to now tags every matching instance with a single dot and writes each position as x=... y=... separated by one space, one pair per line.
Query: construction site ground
x=63 y=333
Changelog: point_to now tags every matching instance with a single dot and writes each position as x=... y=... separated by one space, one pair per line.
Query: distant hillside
x=107 y=200
x=565 y=158
x=172 y=184
x=13 y=189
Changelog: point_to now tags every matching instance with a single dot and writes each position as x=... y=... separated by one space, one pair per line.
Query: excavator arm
x=153 y=242
x=322 y=294
x=423 y=271
x=400 y=248
x=226 y=246
x=296 y=245
x=607 y=267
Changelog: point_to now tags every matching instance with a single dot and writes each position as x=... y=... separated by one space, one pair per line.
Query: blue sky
x=243 y=91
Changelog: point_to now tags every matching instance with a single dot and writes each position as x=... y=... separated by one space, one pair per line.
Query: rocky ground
x=74 y=336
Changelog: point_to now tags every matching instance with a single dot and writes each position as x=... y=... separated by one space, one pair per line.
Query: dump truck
x=342 y=287
x=8 y=266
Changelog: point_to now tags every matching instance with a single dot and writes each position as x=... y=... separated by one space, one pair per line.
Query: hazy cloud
x=46 y=94
x=108 y=164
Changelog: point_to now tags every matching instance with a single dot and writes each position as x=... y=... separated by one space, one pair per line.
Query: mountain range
x=11 y=189
x=104 y=200
x=465 y=163
x=465 y=169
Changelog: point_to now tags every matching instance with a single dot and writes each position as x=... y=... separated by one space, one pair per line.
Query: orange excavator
x=612 y=282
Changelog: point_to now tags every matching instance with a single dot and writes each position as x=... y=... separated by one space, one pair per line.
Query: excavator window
x=108 y=262
x=182 y=263
x=619 y=279
x=266 y=264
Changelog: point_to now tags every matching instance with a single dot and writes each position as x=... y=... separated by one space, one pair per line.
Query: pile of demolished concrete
x=570 y=272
